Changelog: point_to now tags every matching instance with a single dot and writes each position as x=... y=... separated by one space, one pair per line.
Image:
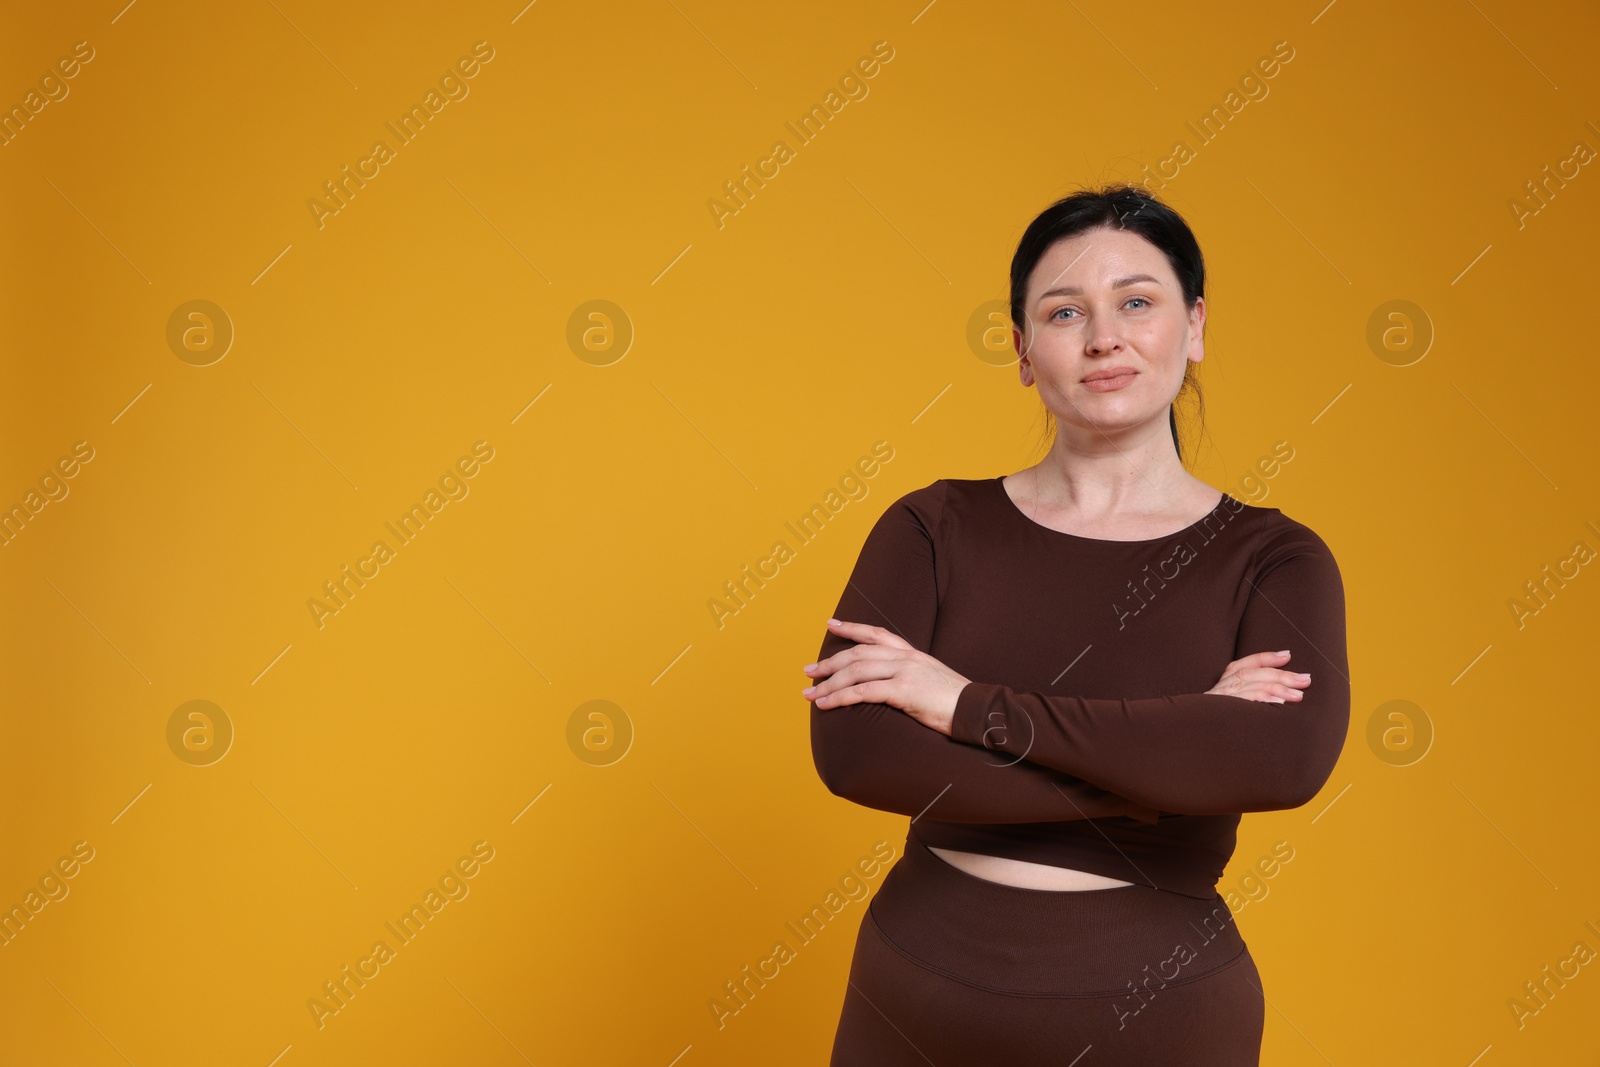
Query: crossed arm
x=877 y=755
x=1198 y=753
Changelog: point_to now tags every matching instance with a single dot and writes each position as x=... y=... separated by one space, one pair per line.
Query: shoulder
x=944 y=500
x=946 y=503
x=923 y=507
x=1278 y=538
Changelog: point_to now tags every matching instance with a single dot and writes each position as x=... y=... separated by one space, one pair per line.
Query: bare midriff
x=1022 y=873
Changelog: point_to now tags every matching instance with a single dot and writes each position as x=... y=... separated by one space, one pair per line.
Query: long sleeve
x=1202 y=753
x=880 y=757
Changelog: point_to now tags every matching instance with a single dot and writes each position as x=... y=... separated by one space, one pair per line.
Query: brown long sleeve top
x=1086 y=738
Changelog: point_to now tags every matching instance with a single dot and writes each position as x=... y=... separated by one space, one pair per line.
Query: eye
x=1059 y=311
x=1139 y=298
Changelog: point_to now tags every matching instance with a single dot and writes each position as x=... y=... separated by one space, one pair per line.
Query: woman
x=1075 y=679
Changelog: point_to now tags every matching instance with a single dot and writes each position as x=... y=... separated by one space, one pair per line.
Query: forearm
x=1197 y=754
x=877 y=756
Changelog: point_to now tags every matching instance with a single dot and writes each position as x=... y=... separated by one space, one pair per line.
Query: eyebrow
x=1119 y=283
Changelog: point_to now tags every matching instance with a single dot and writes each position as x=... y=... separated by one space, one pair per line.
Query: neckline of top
x=1011 y=505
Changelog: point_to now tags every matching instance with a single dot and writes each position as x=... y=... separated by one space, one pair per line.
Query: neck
x=1097 y=474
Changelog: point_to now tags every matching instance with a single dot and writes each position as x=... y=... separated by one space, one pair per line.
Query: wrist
x=967 y=721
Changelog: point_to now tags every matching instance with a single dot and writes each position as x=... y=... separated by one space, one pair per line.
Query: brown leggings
x=951 y=969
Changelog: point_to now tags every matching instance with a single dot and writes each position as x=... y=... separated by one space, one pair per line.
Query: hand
x=1258 y=677
x=882 y=668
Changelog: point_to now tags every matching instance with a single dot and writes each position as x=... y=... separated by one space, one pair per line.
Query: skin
x=1112 y=472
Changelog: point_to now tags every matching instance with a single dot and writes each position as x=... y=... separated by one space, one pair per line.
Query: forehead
x=1091 y=259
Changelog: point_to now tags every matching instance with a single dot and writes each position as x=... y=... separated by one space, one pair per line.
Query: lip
x=1112 y=378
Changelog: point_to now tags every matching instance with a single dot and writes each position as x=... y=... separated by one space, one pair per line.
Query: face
x=1105 y=301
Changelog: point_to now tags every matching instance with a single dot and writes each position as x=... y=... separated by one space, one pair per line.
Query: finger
x=852 y=674
x=844 y=657
x=836 y=662
x=1247 y=665
x=871 y=692
x=1261 y=659
x=1273 y=676
x=860 y=631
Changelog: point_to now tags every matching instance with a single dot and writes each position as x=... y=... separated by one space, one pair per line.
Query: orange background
x=768 y=353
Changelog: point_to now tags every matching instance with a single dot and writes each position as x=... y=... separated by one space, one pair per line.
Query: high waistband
x=1049 y=942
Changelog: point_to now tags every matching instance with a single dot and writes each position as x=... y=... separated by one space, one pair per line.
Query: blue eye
x=1055 y=317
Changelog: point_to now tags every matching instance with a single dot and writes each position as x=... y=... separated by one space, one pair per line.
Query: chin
x=1110 y=414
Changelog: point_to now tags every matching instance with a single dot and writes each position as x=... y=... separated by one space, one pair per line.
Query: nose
x=1103 y=340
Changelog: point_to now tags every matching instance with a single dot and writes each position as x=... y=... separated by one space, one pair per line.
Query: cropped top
x=1087 y=738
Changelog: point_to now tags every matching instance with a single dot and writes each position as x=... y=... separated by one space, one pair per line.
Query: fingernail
x=808 y=690
x=833 y=622
x=1285 y=652
x=1304 y=677
x=809 y=667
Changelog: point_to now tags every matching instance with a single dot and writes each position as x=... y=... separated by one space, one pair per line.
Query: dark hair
x=1124 y=207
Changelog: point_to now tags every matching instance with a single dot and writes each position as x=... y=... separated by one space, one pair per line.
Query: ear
x=1197 y=326
x=1024 y=365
